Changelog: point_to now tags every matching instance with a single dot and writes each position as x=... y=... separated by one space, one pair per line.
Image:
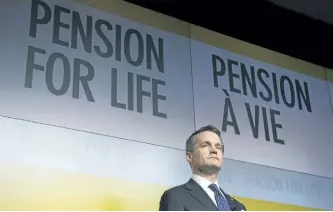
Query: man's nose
x=213 y=150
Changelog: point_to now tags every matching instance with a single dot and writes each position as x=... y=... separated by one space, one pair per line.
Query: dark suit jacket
x=191 y=197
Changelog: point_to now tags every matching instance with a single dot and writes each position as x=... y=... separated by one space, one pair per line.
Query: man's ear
x=189 y=157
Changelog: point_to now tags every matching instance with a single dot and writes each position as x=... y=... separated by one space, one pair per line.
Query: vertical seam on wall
x=328 y=88
x=192 y=79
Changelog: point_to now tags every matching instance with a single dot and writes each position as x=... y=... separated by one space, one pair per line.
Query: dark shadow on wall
x=259 y=22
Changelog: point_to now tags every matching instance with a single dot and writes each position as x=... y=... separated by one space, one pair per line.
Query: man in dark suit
x=204 y=152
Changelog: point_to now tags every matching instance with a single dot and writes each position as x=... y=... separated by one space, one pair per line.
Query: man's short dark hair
x=192 y=139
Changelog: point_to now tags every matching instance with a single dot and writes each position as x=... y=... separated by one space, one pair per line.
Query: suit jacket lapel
x=199 y=194
x=230 y=201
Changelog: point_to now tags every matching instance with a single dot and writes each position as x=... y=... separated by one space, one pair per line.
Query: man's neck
x=211 y=177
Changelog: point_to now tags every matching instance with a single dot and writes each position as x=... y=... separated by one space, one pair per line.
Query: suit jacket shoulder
x=171 y=201
x=190 y=196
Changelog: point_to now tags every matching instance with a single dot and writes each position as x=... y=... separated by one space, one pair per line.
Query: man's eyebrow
x=208 y=142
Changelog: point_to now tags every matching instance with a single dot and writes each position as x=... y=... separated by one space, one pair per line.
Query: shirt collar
x=203 y=182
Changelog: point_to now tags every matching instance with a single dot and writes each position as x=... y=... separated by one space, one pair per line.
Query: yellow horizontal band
x=329 y=73
x=32 y=188
x=141 y=15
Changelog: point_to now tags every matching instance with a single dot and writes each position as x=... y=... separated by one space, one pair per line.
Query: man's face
x=207 y=153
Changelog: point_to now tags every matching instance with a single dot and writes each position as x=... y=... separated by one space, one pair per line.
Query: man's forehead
x=208 y=136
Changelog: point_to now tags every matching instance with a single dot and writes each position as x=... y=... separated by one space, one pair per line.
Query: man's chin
x=211 y=169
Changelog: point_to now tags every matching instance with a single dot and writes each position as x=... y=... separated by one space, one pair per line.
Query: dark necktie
x=221 y=202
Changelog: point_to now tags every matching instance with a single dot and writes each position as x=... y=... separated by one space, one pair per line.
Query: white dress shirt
x=204 y=183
